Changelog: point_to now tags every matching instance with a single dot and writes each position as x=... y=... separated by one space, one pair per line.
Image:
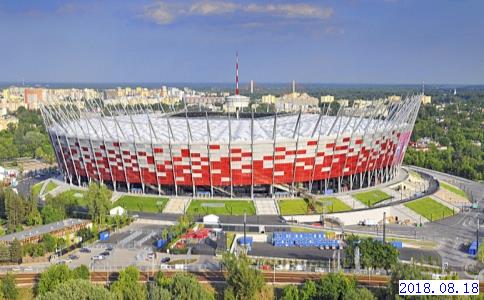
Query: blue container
x=473 y=248
x=103 y=236
x=397 y=244
x=160 y=243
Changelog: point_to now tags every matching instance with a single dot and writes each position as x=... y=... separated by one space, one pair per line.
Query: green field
x=75 y=195
x=430 y=209
x=453 y=189
x=50 y=186
x=220 y=207
x=300 y=206
x=372 y=197
x=141 y=203
x=36 y=188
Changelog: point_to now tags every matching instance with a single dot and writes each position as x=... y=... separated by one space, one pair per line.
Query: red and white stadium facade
x=142 y=150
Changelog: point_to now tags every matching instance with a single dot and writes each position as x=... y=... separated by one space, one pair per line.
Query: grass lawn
x=430 y=209
x=300 y=206
x=50 y=186
x=36 y=188
x=221 y=207
x=453 y=189
x=140 y=203
x=77 y=195
x=372 y=197
x=303 y=229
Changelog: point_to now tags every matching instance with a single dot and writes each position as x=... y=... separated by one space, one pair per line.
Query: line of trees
x=458 y=127
x=27 y=138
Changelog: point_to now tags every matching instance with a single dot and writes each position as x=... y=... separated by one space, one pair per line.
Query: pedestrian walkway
x=351 y=202
x=115 y=197
x=265 y=207
x=177 y=205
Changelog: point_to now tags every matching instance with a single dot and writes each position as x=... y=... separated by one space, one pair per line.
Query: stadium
x=206 y=154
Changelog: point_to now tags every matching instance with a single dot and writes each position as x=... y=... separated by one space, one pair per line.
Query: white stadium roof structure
x=151 y=127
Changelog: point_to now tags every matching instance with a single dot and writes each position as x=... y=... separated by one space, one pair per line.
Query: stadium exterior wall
x=342 y=160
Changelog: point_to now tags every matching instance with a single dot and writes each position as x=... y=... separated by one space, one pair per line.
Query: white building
x=236 y=103
x=327 y=99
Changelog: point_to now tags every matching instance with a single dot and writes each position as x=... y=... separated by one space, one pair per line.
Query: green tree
x=405 y=272
x=308 y=290
x=9 y=287
x=81 y=272
x=52 y=277
x=186 y=287
x=335 y=286
x=290 y=292
x=78 y=289
x=51 y=214
x=127 y=286
x=98 y=199
x=4 y=253
x=244 y=281
x=16 y=251
x=50 y=242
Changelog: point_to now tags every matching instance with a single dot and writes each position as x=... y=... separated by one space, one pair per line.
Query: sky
x=325 y=41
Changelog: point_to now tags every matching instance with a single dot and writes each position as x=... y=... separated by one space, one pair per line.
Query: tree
x=98 y=202
x=16 y=251
x=127 y=286
x=308 y=290
x=77 y=289
x=186 y=287
x=50 y=242
x=9 y=287
x=244 y=281
x=4 y=253
x=290 y=292
x=51 y=214
x=52 y=277
x=405 y=272
x=335 y=286
x=81 y=272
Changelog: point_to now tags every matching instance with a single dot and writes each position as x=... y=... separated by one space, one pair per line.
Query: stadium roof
x=140 y=130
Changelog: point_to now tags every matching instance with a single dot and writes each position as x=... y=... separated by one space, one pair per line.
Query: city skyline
x=397 y=42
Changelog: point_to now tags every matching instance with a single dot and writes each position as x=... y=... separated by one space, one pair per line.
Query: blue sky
x=333 y=41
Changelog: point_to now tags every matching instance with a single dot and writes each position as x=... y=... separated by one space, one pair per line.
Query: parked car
x=85 y=250
x=28 y=269
x=151 y=255
x=105 y=253
x=109 y=248
x=97 y=257
x=165 y=260
x=265 y=267
x=73 y=257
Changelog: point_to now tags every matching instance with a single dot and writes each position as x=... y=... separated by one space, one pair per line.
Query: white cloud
x=160 y=13
x=164 y=13
x=213 y=8
x=292 y=10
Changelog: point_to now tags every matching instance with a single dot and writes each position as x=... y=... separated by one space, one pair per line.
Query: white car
x=97 y=257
